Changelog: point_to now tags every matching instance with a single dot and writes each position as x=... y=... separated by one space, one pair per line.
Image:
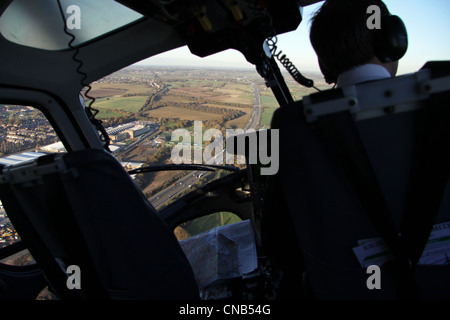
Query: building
x=18 y=158
x=117 y=129
x=56 y=147
x=132 y=165
x=119 y=136
x=137 y=130
x=159 y=140
x=129 y=130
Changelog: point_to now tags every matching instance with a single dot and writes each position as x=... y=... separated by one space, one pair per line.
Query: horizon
x=297 y=47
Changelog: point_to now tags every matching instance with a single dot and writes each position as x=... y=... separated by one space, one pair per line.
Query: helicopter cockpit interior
x=320 y=197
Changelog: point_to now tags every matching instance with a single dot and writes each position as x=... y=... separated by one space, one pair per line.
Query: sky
x=427 y=22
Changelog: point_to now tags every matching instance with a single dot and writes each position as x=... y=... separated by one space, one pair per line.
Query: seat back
x=82 y=208
x=329 y=216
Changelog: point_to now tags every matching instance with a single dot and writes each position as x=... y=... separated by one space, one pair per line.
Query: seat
x=82 y=208
x=330 y=214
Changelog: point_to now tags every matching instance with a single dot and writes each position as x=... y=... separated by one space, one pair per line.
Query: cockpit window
x=39 y=24
x=25 y=135
x=156 y=114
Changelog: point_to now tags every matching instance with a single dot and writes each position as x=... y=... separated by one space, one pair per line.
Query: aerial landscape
x=176 y=97
x=140 y=106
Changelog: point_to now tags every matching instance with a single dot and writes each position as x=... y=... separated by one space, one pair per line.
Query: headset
x=391 y=40
x=390 y=43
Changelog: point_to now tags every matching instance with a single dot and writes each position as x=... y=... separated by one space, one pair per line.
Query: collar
x=363 y=73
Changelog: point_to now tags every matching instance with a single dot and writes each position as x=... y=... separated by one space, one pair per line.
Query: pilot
x=351 y=48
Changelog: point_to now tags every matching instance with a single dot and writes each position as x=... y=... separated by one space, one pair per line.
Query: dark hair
x=340 y=36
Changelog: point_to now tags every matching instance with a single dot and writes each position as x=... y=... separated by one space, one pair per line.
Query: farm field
x=174 y=98
x=223 y=97
x=181 y=114
x=220 y=96
x=116 y=89
x=127 y=104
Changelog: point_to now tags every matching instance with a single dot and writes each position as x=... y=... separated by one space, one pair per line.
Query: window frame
x=62 y=121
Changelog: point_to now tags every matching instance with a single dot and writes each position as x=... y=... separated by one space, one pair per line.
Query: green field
x=208 y=222
x=115 y=89
x=269 y=105
x=181 y=93
x=108 y=106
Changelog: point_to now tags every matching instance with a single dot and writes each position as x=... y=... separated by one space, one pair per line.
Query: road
x=180 y=185
x=163 y=196
x=256 y=115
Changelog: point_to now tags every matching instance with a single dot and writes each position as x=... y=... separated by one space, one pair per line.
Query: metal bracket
x=378 y=98
x=30 y=173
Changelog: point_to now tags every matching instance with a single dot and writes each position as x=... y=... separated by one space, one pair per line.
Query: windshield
x=39 y=24
x=158 y=116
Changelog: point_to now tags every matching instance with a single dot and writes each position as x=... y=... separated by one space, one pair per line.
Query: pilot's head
x=342 y=39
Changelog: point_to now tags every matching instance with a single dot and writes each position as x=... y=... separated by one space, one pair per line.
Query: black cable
x=184 y=167
x=90 y=111
x=288 y=65
x=267 y=27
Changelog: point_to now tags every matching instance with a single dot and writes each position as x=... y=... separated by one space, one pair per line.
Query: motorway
x=179 y=186
x=256 y=115
x=159 y=199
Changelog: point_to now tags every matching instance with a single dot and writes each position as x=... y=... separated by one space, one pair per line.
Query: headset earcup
x=391 y=41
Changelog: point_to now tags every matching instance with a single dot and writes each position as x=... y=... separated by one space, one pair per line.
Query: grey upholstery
x=326 y=213
x=86 y=210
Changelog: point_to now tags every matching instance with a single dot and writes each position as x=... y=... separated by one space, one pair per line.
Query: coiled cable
x=288 y=65
x=90 y=111
x=258 y=9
